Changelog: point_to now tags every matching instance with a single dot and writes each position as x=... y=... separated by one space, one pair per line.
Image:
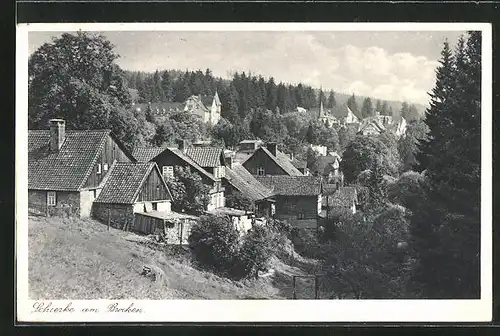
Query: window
x=155 y=206
x=98 y=168
x=260 y=171
x=168 y=172
x=300 y=215
x=95 y=193
x=105 y=167
x=51 y=198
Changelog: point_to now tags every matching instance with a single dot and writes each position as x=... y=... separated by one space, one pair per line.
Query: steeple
x=216 y=99
x=321 y=110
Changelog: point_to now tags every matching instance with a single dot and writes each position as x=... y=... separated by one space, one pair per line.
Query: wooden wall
x=261 y=159
x=110 y=152
x=153 y=189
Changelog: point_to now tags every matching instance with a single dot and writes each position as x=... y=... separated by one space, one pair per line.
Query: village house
x=268 y=160
x=246 y=148
x=344 y=200
x=319 y=149
x=298 y=198
x=206 y=107
x=67 y=168
x=238 y=179
x=380 y=123
x=136 y=198
x=168 y=158
x=338 y=115
x=209 y=109
x=329 y=168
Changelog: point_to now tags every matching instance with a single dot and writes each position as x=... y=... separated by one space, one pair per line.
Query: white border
x=260 y=310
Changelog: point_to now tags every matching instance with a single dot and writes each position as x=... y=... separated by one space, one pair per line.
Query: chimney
x=182 y=145
x=228 y=160
x=57 y=133
x=272 y=147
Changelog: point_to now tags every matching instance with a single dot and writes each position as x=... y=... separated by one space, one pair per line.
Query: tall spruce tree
x=352 y=104
x=331 y=102
x=446 y=228
x=367 y=108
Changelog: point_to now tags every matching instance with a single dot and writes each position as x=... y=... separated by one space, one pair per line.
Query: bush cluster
x=217 y=245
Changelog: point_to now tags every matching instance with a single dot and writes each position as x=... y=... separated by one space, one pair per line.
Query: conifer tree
x=367 y=108
x=446 y=228
x=331 y=103
x=352 y=104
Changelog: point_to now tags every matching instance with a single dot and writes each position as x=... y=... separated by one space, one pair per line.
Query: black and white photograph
x=254 y=172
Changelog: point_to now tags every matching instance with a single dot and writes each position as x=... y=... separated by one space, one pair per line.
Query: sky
x=385 y=65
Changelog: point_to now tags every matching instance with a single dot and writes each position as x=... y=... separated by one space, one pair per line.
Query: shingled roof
x=242 y=180
x=284 y=185
x=68 y=168
x=206 y=156
x=125 y=182
x=146 y=154
x=282 y=160
x=191 y=162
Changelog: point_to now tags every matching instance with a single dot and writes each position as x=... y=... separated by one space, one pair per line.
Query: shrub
x=255 y=252
x=215 y=242
x=218 y=246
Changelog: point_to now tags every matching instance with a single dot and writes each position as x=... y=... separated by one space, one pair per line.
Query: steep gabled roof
x=242 y=180
x=192 y=163
x=125 y=182
x=284 y=185
x=68 y=168
x=146 y=154
x=217 y=100
x=282 y=160
x=206 y=156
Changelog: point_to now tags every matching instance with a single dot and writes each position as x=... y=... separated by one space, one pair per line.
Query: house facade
x=208 y=110
x=298 y=198
x=67 y=168
x=168 y=158
x=269 y=160
x=238 y=179
x=343 y=201
x=380 y=123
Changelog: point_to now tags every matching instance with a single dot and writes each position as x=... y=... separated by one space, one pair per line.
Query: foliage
x=408 y=190
x=75 y=78
x=237 y=200
x=217 y=245
x=366 y=262
x=407 y=145
x=189 y=192
x=367 y=108
x=446 y=228
x=215 y=242
x=362 y=153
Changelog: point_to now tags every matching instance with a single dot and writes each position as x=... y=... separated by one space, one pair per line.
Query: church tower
x=215 y=109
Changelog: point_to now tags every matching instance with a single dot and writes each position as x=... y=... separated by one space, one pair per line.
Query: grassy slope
x=81 y=259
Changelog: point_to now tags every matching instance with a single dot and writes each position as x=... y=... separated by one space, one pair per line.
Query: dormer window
x=105 y=167
x=260 y=171
x=99 y=168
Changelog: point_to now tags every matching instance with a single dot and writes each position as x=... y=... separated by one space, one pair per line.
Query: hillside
x=81 y=259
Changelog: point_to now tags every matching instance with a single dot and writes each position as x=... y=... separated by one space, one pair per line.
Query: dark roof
x=125 y=181
x=339 y=111
x=375 y=122
x=292 y=185
x=206 y=156
x=329 y=188
x=146 y=154
x=343 y=197
x=68 y=168
x=242 y=180
x=190 y=162
x=281 y=160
